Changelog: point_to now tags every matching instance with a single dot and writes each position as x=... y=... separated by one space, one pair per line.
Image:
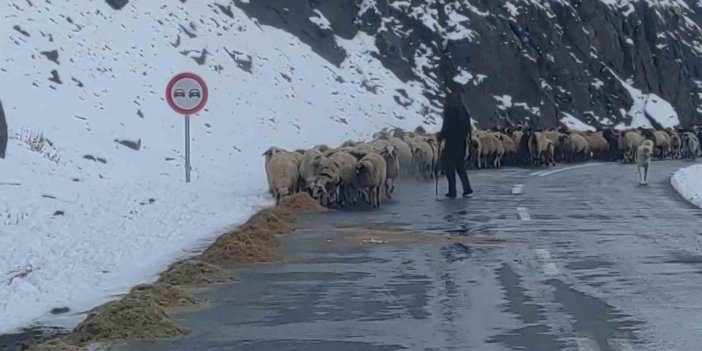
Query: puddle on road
x=399 y=237
x=594 y=319
x=535 y=335
x=588 y=265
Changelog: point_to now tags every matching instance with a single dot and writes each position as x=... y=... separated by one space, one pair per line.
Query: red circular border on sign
x=199 y=106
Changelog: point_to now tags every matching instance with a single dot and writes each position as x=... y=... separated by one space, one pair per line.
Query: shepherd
x=455 y=133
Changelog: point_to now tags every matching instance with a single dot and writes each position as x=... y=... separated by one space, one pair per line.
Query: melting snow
x=688 y=182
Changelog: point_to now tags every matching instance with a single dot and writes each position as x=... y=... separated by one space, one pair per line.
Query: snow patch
x=647 y=105
x=688 y=182
x=575 y=124
x=321 y=21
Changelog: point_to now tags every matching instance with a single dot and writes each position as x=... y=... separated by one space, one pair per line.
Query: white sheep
x=423 y=156
x=308 y=168
x=282 y=173
x=371 y=172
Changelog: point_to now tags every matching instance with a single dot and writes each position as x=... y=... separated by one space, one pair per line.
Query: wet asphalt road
x=591 y=261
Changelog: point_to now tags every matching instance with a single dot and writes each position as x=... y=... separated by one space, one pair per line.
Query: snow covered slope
x=688 y=182
x=92 y=190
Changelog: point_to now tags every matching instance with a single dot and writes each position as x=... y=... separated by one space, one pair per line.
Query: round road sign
x=187 y=93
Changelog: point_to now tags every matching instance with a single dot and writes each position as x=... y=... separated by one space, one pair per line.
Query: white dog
x=643 y=156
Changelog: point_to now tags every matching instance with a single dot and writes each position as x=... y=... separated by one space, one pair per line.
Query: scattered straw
x=55 y=345
x=192 y=272
x=301 y=203
x=138 y=315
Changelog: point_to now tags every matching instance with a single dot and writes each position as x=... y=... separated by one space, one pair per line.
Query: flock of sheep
x=367 y=171
x=524 y=146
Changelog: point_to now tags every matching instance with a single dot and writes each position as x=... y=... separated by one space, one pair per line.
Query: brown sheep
x=662 y=144
x=550 y=153
x=509 y=145
x=473 y=151
x=629 y=142
x=392 y=162
x=537 y=143
x=492 y=151
x=598 y=145
x=575 y=147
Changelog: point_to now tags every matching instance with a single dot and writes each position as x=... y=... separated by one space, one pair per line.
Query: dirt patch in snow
x=138 y=315
x=192 y=272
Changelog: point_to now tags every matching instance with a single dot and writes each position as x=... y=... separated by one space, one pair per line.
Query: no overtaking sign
x=187 y=94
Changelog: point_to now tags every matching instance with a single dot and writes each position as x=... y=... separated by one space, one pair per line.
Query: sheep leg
x=377 y=197
x=646 y=167
x=388 y=185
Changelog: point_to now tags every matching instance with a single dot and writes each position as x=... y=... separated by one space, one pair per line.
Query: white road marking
x=543 y=174
x=517 y=188
x=547 y=262
x=536 y=173
x=620 y=345
x=523 y=214
x=586 y=344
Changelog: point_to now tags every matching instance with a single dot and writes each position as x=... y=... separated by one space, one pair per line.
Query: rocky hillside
x=604 y=62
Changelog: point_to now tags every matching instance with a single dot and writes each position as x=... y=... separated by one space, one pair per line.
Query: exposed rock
x=21 y=31
x=134 y=145
x=117 y=4
x=3 y=132
x=52 y=56
x=55 y=77
x=520 y=62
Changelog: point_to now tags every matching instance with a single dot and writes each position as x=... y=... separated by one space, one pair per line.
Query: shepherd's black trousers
x=454 y=163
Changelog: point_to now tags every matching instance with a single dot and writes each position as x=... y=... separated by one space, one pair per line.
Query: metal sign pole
x=187 y=149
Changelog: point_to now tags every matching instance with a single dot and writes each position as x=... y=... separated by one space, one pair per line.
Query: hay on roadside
x=274 y=220
x=138 y=315
x=192 y=272
x=164 y=295
x=257 y=240
x=56 y=345
x=301 y=203
x=249 y=244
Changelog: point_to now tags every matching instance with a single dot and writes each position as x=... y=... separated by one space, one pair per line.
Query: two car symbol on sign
x=191 y=94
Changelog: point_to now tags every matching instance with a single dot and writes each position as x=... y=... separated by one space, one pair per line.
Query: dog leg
x=640 y=175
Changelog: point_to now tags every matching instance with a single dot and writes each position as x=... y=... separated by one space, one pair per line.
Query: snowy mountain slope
x=102 y=205
x=583 y=58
